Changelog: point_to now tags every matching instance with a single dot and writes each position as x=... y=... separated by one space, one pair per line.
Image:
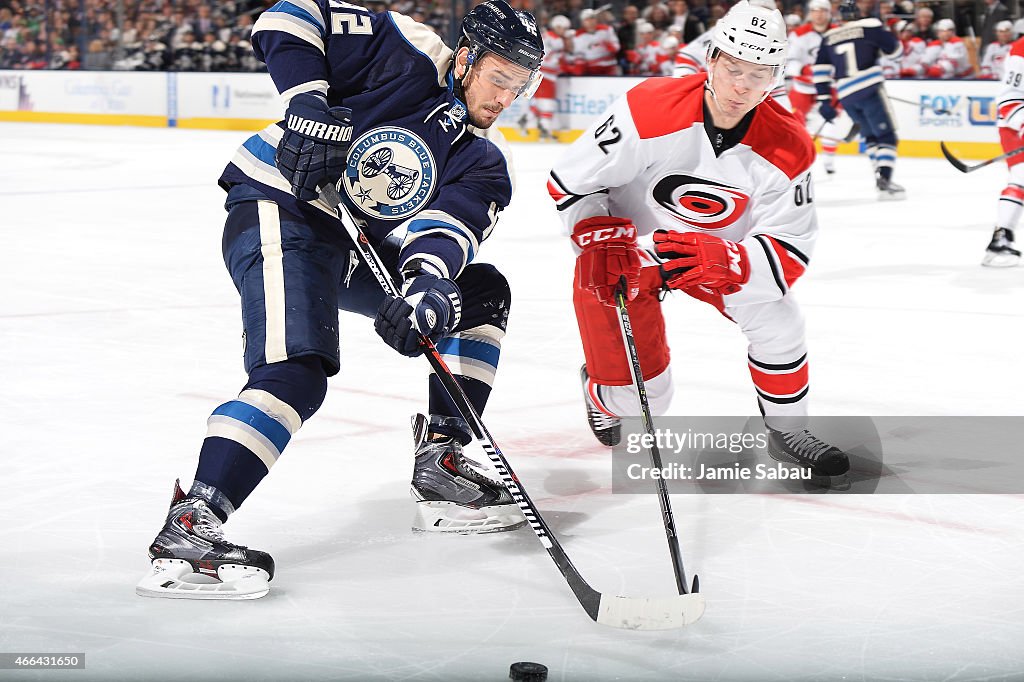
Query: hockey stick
x=671 y=534
x=941 y=111
x=964 y=168
x=630 y=613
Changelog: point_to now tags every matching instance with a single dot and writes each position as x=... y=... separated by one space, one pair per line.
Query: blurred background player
x=910 y=62
x=595 y=47
x=543 y=111
x=416 y=152
x=1002 y=251
x=804 y=42
x=946 y=56
x=995 y=53
x=848 y=58
x=720 y=174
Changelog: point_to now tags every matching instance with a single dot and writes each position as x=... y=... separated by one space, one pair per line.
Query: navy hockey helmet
x=511 y=34
x=849 y=11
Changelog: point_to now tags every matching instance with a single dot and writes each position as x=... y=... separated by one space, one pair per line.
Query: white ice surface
x=120 y=332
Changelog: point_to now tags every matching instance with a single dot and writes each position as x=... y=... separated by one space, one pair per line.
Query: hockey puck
x=528 y=672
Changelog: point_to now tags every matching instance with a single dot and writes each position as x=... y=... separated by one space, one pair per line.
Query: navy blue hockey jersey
x=849 y=56
x=414 y=161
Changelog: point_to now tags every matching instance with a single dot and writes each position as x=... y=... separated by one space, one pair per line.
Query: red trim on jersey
x=792 y=267
x=789 y=383
x=776 y=135
x=662 y=106
x=556 y=193
x=1017 y=49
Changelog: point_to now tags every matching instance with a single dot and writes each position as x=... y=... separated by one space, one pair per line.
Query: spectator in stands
x=923 y=28
x=946 y=57
x=995 y=11
x=690 y=25
x=995 y=53
x=626 y=30
x=98 y=56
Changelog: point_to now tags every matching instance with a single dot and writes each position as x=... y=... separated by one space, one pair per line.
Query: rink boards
x=927 y=111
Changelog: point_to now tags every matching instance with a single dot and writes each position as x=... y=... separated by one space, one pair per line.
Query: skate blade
x=1000 y=260
x=448 y=517
x=892 y=196
x=175 y=579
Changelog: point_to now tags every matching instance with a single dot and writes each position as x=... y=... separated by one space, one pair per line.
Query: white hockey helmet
x=1004 y=26
x=819 y=4
x=751 y=34
x=945 y=25
x=559 y=21
x=1018 y=28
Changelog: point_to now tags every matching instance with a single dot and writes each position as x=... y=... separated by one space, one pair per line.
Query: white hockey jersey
x=947 y=59
x=994 y=59
x=555 y=55
x=804 y=42
x=597 y=50
x=1011 y=99
x=690 y=57
x=910 y=64
x=649 y=159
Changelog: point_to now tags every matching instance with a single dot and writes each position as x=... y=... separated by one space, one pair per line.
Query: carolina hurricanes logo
x=700 y=203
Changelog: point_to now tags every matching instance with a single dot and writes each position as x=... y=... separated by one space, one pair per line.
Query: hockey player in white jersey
x=804 y=42
x=543 y=108
x=992 y=61
x=1002 y=250
x=720 y=174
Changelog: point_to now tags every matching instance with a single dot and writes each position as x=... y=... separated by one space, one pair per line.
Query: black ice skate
x=523 y=124
x=607 y=429
x=192 y=560
x=451 y=495
x=1001 y=251
x=889 y=190
x=806 y=450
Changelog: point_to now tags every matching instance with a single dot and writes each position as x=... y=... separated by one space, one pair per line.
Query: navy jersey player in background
x=380 y=106
x=849 y=57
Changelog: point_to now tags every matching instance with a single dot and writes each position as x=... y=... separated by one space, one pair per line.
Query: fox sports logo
x=390 y=173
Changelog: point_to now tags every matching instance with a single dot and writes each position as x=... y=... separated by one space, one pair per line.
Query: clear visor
x=502 y=73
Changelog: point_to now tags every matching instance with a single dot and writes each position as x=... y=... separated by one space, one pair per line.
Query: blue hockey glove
x=429 y=305
x=827 y=111
x=314 y=145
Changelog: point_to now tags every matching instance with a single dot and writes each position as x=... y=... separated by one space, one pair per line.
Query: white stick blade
x=664 y=613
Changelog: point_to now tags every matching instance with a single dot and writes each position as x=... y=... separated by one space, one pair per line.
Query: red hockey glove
x=698 y=258
x=935 y=71
x=609 y=253
x=909 y=73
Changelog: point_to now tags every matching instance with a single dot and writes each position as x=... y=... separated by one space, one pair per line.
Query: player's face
x=819 y=17
x=739 y=87
x=1003 y=36
x=491 y=87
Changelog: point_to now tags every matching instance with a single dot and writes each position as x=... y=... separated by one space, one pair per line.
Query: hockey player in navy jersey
x=380 y=107
x=720 y=174
x=849 y=58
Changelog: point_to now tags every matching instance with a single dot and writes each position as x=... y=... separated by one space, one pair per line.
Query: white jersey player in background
x=720 y=174
x=992 y=61
x=946 y=57
x=803 y=51
x=544 y=105
x=1002 y=251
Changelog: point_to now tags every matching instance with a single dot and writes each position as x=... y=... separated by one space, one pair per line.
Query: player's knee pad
x=603 y=348
x=486 y=297
x=623 y=402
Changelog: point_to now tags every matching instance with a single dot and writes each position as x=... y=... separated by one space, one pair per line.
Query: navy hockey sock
x=246 y=436
x=441 y=405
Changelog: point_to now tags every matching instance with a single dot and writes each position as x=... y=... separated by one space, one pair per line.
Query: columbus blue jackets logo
x=700 y=203
x=390 y=173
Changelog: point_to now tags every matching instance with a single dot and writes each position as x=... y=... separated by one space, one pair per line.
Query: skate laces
x=805 y=443
x=206 y=523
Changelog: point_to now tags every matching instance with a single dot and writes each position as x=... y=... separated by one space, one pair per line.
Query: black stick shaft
x=671 y=534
